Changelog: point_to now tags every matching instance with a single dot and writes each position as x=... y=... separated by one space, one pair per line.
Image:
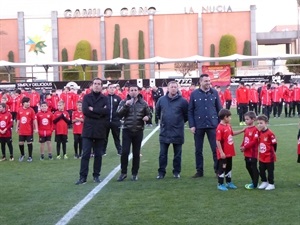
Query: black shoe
x=81 y=181
x=97 y=180
x=122 y=177
x=119 y=153
x=160 y=176
x=134 y=178
x=197 y=175
x=176 y=175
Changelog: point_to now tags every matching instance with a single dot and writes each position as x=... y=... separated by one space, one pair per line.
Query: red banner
x=219 y=75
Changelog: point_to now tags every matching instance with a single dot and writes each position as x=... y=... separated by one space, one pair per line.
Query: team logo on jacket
x=2 y=124
x=45 y=121
x=23 y=119
x=246 y=141
x=262 y=148
x=115 y=100
x=230 y=140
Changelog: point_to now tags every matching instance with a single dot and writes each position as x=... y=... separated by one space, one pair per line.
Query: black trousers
x=224 y=170
x=243 y=108
x=266 y=110
x=288 y=107
x=87 y=145
x=114 y=127
x=251 y=166
x=135 y=139
x=228 y=104
x=276 y=109
x=269 y=167
x=253 y=107
x=163 y=158
x=77 y=144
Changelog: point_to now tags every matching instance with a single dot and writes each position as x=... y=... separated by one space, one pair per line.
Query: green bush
x=294 y=65
x=113 y=71
x=64 y=57
x=83 y=51
x=212 y=53
x=95 y=67
x=246 y=51
x=141 y=54
x=71 y=74
x=227 y=46
x=126 y=56
x=117 y=50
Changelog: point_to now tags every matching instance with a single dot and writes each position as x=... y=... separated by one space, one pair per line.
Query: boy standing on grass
x=77 y=129
x=225 y=150
x=6 y=124
x=267 y=157
x=250 y=148
x=298 y=160
x=45 y=125
x=61 y=119
x=26 y=124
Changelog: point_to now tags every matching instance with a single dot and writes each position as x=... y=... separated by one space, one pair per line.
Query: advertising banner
x=219 y=75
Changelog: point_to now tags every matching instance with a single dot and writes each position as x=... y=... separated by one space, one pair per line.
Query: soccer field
x=42 y=192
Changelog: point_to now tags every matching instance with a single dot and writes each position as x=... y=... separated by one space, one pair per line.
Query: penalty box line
x=76 y=209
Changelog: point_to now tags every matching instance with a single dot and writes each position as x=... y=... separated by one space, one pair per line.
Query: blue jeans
x=135 y=139
x=199 y=140
x=87 y=145
x=163 y=158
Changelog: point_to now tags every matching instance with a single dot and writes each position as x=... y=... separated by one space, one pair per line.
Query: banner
x=219 y=75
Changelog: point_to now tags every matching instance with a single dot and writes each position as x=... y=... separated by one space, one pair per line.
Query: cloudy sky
x=269 y=12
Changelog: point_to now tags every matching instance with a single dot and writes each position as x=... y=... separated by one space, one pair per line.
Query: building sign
x=107 y=12
x=216 y=9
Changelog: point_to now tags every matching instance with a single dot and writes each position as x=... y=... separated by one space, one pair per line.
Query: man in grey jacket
x=204 y=107
x=172 y=110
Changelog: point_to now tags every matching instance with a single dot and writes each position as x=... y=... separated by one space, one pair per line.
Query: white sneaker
x=270 y=187
x=263 y=185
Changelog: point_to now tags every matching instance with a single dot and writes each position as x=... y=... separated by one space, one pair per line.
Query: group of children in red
x=259 y=145
x=44 y=123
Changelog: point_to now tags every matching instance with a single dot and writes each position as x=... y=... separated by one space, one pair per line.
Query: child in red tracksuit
x=61 y=120
x=250 y=148
x=267 y=153
x=77 y=120
x=6 y=124
x=45 y=126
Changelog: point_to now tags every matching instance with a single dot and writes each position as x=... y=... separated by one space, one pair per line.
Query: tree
x=64 y=57
x=8 y=73
x=126 y=56
x=212 y=53
x=95 y=67
x=293 y=65
x=185 y=67
x=114 y=71
x=83 y=51
x=141 y=54
x=227 y=46
x=246 y=51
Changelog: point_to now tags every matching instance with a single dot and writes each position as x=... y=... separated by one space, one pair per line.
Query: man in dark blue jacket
x=95 y=111
x=204 y=107
x=172 y=110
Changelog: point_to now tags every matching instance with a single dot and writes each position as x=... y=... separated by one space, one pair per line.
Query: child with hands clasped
x=249 y=147
x=267 y=157
x=225 y=150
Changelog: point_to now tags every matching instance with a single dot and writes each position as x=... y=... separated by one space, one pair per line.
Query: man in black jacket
x=95 y=111
x=135 y=112
x=114 y=123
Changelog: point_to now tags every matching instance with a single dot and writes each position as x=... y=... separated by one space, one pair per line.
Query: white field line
x=72 y=212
